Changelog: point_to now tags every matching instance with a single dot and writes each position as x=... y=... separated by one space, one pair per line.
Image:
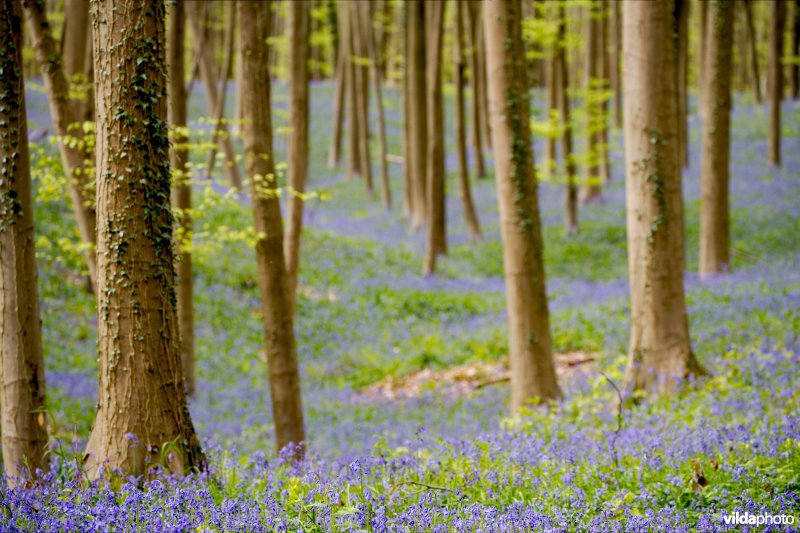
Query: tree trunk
x=377 y=69
x=335 y=149
x=531 y=357
x=181 y=188
x=142 y=402
x=549 y=164
x=219 y=106
x=562 y=74
x=418 y=111
x=470 y=215
x=592 y=179
x=778 y=12
x=715 y=165
x=701 y=69
x=381 y=44
x=602 y=68
x=483 y=107
x=287 y=409
x=81 y=188
x=22 y=381
x=73 y=45
x=207 y=73
x=660 y=349
x=796 y=51
x=616 y=64
x=362 y=95
x=297 y=145
x=682 y=50
x=353 y=123
x=437 y=229
x=408 y=170
x=473 y=13
x=751 y=35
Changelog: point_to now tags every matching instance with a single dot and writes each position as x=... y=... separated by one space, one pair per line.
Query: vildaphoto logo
x=740 y=519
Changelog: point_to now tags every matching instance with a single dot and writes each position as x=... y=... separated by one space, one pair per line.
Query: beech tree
x=298 y=138
x=360 y=88
x=778 y=12
x=435 y=180
x=81 y=188
x=77 y=57
x=335 y=148
x=751 y=38
x=531 y=354
x=213 y=96
x=377 y=65
x=592 y=179
x=682 y=51
x=142 y=409
x=715 y=166
x=181 y=188
x=660 y=352
x=417 y=111
x=22 y=383
x=570 y=172
x=284 y=379
x=470 y=215
x=473 y=15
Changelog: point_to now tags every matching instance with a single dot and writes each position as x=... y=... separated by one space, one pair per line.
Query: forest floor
x=441 y=459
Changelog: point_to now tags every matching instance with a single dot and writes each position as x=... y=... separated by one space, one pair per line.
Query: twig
x=494 y=381
x=619 y=420
x=434 y=487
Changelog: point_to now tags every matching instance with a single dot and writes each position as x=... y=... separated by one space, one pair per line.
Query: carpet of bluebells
x=444 y=461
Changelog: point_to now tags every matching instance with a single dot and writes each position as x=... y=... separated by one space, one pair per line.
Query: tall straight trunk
x=592 y=178
x=362 y=95
x=602 y=68
x=381 y=42
x=531 y=354
x=752 y=38
x=473 y=13
x=73 y=46
x=562 y=74
x=335 y=149
x=22 y=382
x=298 y=138
x=701 y=70
x=408 y=170
x=81 y=188
x=742 y=67
x=418 y=111
x=209 y=76
x=778 y=12
x=353 y=122
x=284 y=378
x=181 y=188
x=376 y=64
x=470 y=215
x=660 y=352
x=616 y=63
x=437 y=229
x=483 y=102
x=142 y=403
x=682 y=50
x=219 y=106
x=715 y=165
x=553 y=85
x=796 y=51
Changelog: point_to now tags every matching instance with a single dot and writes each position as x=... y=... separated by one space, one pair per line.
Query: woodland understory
x=411 y=415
